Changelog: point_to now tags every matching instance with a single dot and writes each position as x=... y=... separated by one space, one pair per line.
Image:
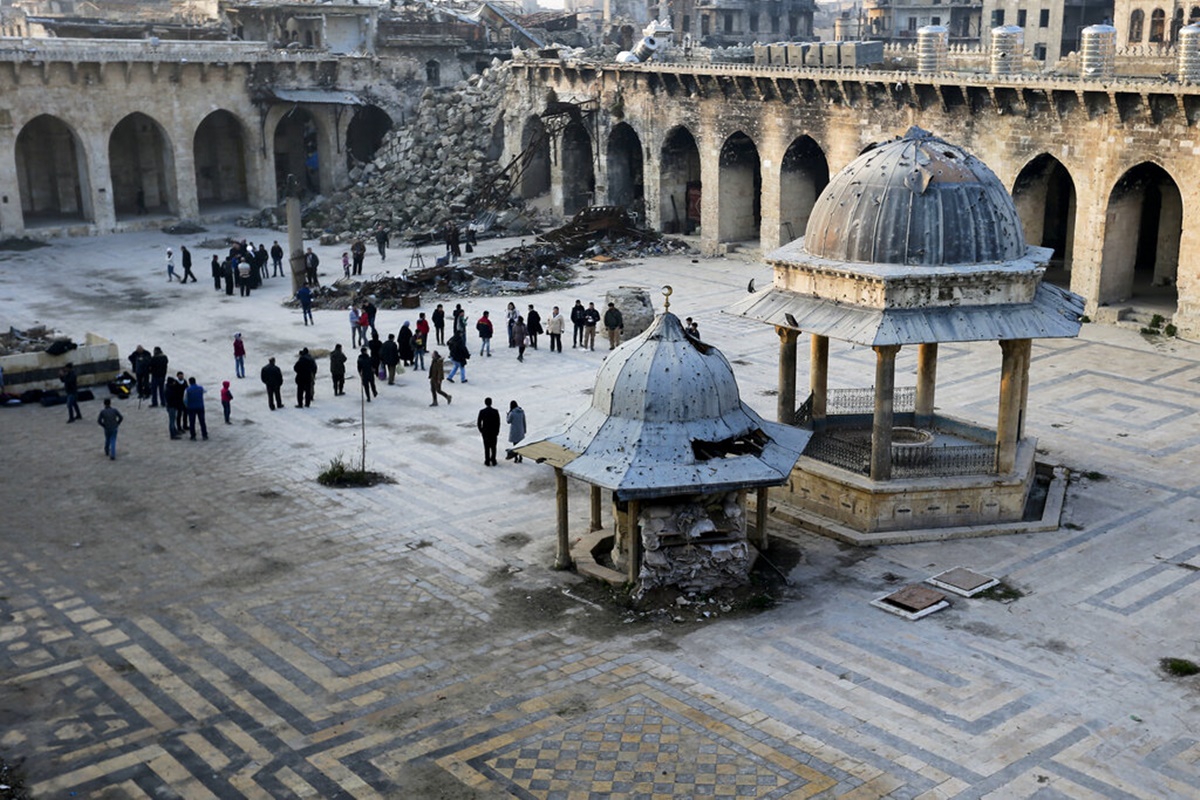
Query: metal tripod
x=416 y=261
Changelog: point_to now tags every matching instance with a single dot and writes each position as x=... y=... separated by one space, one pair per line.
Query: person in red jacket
x=239 y=356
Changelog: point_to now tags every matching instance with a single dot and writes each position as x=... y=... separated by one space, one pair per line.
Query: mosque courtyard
x=203 y=619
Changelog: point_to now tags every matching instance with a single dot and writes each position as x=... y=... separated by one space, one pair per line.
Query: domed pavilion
x=667 y=435
x=916 y=242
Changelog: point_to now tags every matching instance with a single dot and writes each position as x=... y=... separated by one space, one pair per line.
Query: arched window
x=433 y=72
x=1158 y=22
x=1136 y=19
x=1194 y=16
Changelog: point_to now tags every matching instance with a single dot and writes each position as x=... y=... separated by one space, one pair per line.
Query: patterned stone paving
x=203 y=620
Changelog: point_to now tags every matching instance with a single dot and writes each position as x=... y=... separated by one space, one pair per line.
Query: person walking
x=364 y=325
x=375 y=347
x=272 y=378
x=459 y=323
x=510 y=317
x=346 y=265
x=239 y=356
x=173 y=394
x=459 y=353
x=520 y=336
x=261 y=259
x=185 y=258
x=218 y=272
x=554 y=328
x=533 y=326
x=485 y=330
x=110 y=419
x=389 y=355
x=590 y=318
x=304 y=295
x=437 y=372
x=354 y=315
x=381 y=241
x=70 y=382
x=276 y=260
x=578 y=314
x=366 y=374
x=371 y=310
x=516 y=429
x=488 y=423
x=439 y=324
x=306 y=378
x=180 y=407
x=337 y=369
x=419 y=350
x=226 y=401
x=613 y=324
x=171 y=266
x=193 y=399
x=358 y=251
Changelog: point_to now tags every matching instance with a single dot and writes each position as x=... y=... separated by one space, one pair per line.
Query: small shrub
x=1170 y=330
x=339 y=473
x=1085 y=318
x=1179 y=667
x=1157 y=321
x=1001 y=592
x=1095 y=476
x=1150 y=331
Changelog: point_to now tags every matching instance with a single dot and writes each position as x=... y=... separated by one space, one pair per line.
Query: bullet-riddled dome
x=917 y=201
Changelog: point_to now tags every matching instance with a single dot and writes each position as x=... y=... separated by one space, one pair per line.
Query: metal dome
x=666 y=418
x=917 y=200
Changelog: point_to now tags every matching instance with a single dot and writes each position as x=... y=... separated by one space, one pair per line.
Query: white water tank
x=1098 y=52
x=1008 y=48
x=932 y=43
x=1189 y=54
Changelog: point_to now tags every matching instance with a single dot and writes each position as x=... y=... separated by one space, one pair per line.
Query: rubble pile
x=37 y=339
x=430 y=171
x=695 y=546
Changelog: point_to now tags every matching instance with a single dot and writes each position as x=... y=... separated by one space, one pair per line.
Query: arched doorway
x=1045 y=198
x=1141 y=239
x=803 y=173
x=365 y=133
x=679 y=183
x=297 y=152
x=51 y=173
x=433 y=72
x=578 y=172
x=626 y=184
x=219 y=152
x=739 y=190
x=495 y=150
x=535 y=150
x=142 y=168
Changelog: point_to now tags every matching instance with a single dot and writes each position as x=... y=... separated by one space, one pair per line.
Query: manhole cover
x=912 y=602
x=963 y=581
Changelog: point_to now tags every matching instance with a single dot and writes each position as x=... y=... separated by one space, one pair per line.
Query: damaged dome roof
x=916 y=200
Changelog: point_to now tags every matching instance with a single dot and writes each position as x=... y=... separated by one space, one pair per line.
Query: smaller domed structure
x=916 y=200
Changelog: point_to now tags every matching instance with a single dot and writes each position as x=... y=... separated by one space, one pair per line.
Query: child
x=346 y=264
x=226 y=399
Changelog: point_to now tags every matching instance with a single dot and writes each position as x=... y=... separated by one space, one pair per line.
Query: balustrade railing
x=854 y=454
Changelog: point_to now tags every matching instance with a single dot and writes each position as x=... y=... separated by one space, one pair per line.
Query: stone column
x=926 y=381
x=881 y=429
x=295 y=234
x=818 y=379
x=760 y=518
x=786 y=404
x=1014 y=365
x=562 y=555
x=12 y=218
x=634 y=564
x=595 y=521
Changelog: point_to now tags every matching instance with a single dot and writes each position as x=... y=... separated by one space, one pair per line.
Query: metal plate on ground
x=912 y=602
x=963 y=581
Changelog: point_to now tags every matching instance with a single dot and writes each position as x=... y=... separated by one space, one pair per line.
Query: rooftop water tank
x=932 y=43
x=1008 y=48
x=1098 y=52
x=1189 y=54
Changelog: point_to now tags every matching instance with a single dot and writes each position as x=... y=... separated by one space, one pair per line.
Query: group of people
x=488 y=424
x=245 y=266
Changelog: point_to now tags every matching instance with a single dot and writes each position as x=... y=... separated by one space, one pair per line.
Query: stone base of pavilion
x=839 y=504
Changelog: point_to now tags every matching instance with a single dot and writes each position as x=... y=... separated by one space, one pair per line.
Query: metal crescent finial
x=666 y=290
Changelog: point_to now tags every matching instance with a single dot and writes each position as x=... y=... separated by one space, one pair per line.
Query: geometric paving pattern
x=641 y=747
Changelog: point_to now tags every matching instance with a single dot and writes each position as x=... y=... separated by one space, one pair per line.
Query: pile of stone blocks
x=698 y=545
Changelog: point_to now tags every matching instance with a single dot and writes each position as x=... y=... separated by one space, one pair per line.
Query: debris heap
x=425 y=173
x=698 y=546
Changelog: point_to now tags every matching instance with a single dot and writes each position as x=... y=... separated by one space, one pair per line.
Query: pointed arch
x=52 y=173
x=578 y=170
x=679 y=182
x=1142 y=227
x=739 y=189
x=365 y=133
x=1044 y=194
x=298 y=152
x=803 y=173
x=142 y=165
x=535 y=148
x=219 y=153
x=626 y=180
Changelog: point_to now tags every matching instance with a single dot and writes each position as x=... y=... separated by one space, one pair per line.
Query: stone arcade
x=916 y=242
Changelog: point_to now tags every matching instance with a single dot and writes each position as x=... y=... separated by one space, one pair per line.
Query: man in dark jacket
x=459 y=353
x=366 y=373
x=389 y=354
x=614 y=325
x=70 y=384
x=533 y=325
x=311 y=262
x=139 y=362
x=306 y=378
x=578 y=314
x=173 y=399
x=272 y=378
x=439 y=323
x=277 y=260
x=488 y=423
x=158 y=377
x=337 y=369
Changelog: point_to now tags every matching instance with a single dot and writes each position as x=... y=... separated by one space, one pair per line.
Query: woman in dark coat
x=404 y=340
x=375 y=345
